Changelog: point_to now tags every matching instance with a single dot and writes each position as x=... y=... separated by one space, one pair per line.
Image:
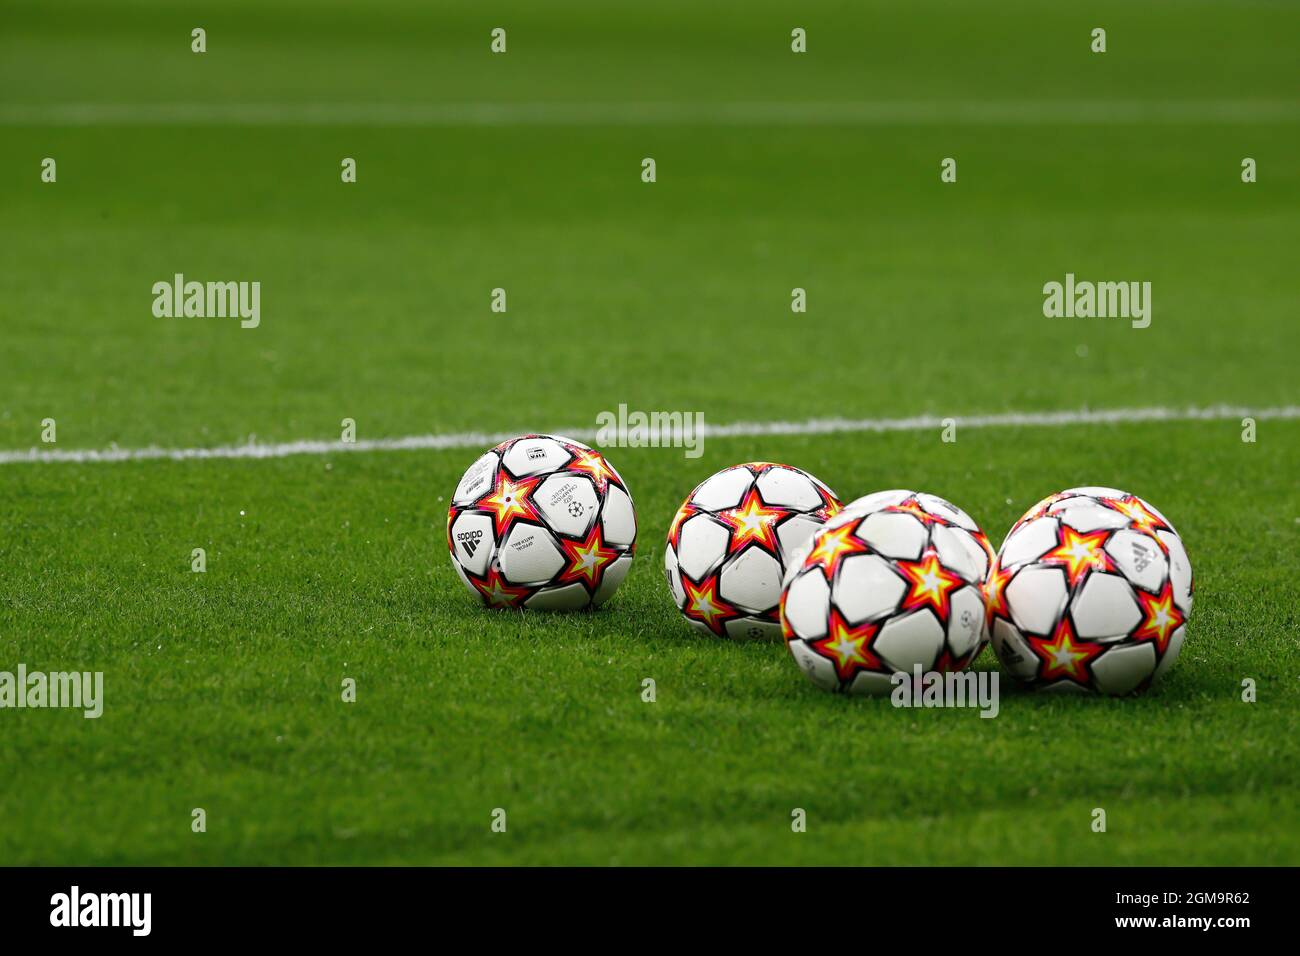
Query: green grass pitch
x=522 y=171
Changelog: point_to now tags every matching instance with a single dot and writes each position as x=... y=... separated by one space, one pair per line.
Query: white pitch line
x=816 y=426
x=819 y=113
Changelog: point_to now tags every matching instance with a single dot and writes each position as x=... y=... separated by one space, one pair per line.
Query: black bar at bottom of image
x=897 y=905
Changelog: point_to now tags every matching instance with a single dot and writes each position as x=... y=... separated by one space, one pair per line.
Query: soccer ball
x=894 y=581
x=541 y=522
x=1091 y=591
x=731 y=539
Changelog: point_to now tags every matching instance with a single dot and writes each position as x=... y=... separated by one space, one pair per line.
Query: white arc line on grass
x=816 y=426
x=844 y=113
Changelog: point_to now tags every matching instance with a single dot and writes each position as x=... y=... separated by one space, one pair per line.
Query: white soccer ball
x=541 y=522
x=1091 y=591
x=731 y=540
x=892 y=582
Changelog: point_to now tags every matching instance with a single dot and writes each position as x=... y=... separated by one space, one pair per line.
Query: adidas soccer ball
x=731 y=539
x=894 y=581
x=1091 y=591
x=541 y=522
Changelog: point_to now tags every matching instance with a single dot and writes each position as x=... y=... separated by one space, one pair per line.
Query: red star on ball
x=1064 y=655
x=995 y=597
x=1080 y=553
x=1160 y=617
x=913 y=507
x=496 y=592
x=752 y=520
x=509 y=501
x=704 y=605
x=848 y=647
x=983 y=541
x=829 y=510
x=931 y=584
x=587 y=559
x=1136 y=510
x=593 y=464
x=830 y=546
x=687 y=510
x=1038 y=510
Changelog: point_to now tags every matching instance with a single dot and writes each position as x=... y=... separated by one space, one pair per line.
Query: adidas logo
x=1141 y=557
x=469 y=540
x=1008 y=652
x=535 y=453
